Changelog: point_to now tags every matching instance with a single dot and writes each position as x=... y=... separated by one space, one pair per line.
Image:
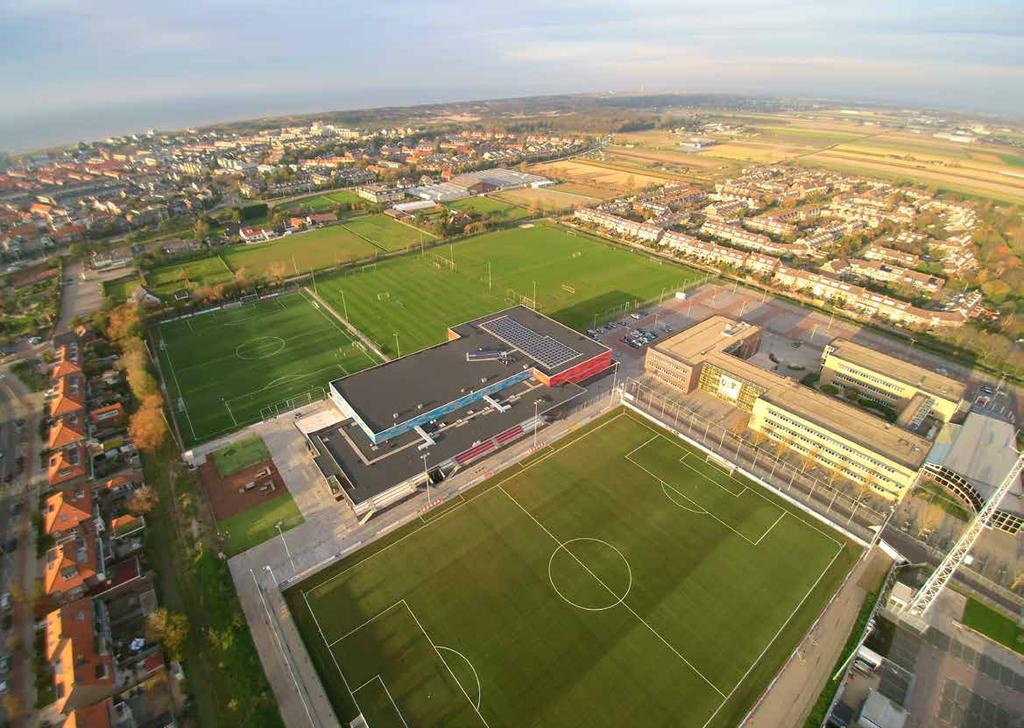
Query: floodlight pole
x=536 y=407
x=344 y=306
x=285 y=542
x=488 y=275
x=426 y=476
x=926 y=596
x=398 y=349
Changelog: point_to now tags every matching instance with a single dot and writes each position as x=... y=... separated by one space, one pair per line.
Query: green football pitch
x=228 y=368
x=616 y=578
x=578 y=280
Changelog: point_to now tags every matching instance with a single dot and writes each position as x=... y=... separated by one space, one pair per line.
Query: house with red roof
x=80 y=656
x=67 y=511
x=69 y=397
x=66 y=465
x=68 y=430
x=73 y=567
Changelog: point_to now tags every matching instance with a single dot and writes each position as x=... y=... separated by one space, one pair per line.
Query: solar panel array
x=544 y=349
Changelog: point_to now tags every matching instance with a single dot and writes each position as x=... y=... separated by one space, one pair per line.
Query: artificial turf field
x=617 y=578
x=224 y=367
x=578 y=280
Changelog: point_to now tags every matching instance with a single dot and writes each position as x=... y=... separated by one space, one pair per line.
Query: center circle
x=262 y=347
x=601 y=577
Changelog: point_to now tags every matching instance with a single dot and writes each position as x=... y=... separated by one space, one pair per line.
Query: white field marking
x=181 y=393
x=479 y=688
x=331 y=652
x=291 y=378
x=189 y=323
x=781 y=515
x=626 y=606
x=372 y=619
x=665 y=489
x=508 y=476
x=755 y=491
x=233 y=357
x=569 y=601
x=386 y=692
x=458 y=498
x=683 y=495
x=776 y=635
x=333 y=322
x=682 y=461
x=441 y=658
x=280 y=647
x=275 y=339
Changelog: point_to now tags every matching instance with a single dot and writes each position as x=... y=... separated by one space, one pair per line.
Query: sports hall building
x=427 y=415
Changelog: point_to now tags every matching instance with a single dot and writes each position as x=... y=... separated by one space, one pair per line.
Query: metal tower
x=938 y=580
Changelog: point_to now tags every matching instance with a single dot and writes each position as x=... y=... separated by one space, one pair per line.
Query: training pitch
x=615 y=578
x=232 y=367
x=577 y=280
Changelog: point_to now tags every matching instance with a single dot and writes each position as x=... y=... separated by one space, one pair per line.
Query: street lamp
x=536 y=407
x=426 y=475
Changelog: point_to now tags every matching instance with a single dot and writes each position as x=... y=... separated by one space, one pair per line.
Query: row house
x=620 y=225
x=769 y=224
x=714 y=254
x=893 y=275
x=751 y=241
x=867 y=303
x=891 y=255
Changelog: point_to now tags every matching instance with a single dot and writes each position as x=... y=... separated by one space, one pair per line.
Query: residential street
x=18 y=569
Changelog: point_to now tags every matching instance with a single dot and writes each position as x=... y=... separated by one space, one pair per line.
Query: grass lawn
x=257 y=524
x=321 y=202
x=167 y=279
x=298 y=253
x=387 y=233
x=240 y=454
x=228 y=368
x=577 y=277
x=121 y=288
x=994 y=625
x=490 y=207
x=615 y=579
x=547 y=199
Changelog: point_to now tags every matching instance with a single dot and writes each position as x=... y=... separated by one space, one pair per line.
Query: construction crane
x=926 y=595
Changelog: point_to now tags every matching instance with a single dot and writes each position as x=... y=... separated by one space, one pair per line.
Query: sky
x=83 y=69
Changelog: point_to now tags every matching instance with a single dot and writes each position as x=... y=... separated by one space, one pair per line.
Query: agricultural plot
x=490 y=207
x=387 y=233
x=229 y=368
x=617 y=578
x=547 y=199
x=578 y=281
x=615 y=180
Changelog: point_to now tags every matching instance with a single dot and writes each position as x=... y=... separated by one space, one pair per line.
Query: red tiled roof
x=70 y=565
x=65 y=433
x=65 y=465
x=71 y=651
x=66 y=509
x=92 y=716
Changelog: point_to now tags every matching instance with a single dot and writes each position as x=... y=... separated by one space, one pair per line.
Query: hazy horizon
x=74 y=70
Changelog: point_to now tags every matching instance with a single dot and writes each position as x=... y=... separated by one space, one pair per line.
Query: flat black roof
x=402 y=388
x=344 y=450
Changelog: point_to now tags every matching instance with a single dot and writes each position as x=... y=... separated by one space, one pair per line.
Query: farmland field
x=548 y=199
x=616 y=578
x=418 y=295
x=584 y=172
x=222 y=368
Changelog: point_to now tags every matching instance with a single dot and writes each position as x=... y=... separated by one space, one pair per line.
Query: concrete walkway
x=790 y=698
